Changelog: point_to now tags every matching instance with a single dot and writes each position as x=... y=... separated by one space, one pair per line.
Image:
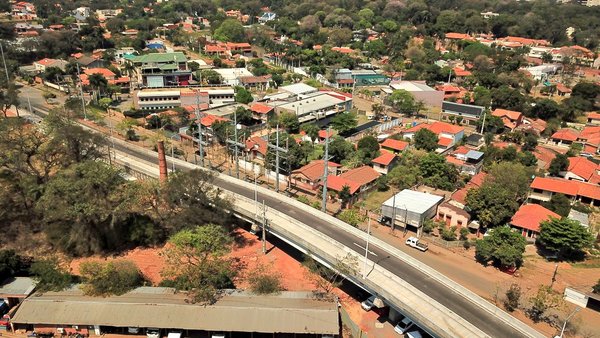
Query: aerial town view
x=299 y=168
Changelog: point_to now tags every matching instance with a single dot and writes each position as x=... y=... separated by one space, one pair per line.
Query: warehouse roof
x=414 y=201
x=16 y=287
x=237 y=311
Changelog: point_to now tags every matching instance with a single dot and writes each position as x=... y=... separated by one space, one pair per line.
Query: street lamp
x=577 y=309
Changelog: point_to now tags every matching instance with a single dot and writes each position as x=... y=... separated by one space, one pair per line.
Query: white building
x=231 y=76
x=411 y=208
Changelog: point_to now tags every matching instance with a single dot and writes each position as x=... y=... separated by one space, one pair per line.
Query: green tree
x=437 y=172
x=596 y=287
x=111 y=278
x=367 y=149
x=426 y=139
x=311 y=130
x=403 y=101
x=196 y=263
x=559 y=203
x=86 y=207
x=531 y=141
x=340 y=149
x=502 y=247
x=50 y=275
x=265 y=280
x=344 y=122
x=211 y=77
x=11 y=263
x=99 y=84
x=558 y=164
x=243 y=115
x=230 y=30
x=8 y=98
x=287 y=120
x=566 y=237
x=242 y=95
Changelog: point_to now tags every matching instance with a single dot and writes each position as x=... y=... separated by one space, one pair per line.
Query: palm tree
x=99 y=83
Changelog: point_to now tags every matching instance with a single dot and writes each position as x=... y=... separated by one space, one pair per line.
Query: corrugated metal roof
x=16 y=287
x=413 y=201
x=236 y=311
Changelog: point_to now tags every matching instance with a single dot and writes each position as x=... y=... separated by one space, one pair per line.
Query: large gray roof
x=237 y=311
x=415 y=201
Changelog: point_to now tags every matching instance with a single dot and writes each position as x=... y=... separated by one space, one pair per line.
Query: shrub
x=596 y=288
x=428 y=226
x=50 y=275
x=111 y=278
x=467 y=245
x=350 y=216
x=449 y=234
x=303 y=199
x=265 y=281
x=464 y=233
x=316 y=205
x=513 y=295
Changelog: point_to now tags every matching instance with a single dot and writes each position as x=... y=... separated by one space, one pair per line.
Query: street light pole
x=367 y=248
x=562 y=332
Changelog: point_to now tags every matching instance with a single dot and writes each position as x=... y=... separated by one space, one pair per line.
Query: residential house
x=82 y=13
x=593 y=119
x=582 y=169
x=266 y=17
x=394 y=146
x=458 y=198
x=256 y=149
x=156 y=70
x=544 y=156
x=528 y=218
x=562 y=90
x=384 y=163
x=590 y=139
x=261 y=111
x=359 y=180
x=89 y=62
x=564 y=136
x=122 y=82
x=310 y=176
x=461 y=113
x=467 y=161
x=448 y=134
x=41 y=65
x=512 y=119
x=452 y=215
x=534 y=125
x=543 y=188
x=256 y=82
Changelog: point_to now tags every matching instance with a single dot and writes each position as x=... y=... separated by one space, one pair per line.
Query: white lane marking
x=362 y=247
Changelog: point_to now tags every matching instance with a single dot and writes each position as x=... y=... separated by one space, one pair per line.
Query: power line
x=326 y=159
x=278 y=150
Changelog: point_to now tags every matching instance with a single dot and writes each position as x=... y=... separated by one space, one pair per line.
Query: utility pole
x=264 y=229
x=277 y=156
x=237 y=144
x=199 y=124
x=394 y=212
x=81 y=92
x=483 y=122
x=325 y=172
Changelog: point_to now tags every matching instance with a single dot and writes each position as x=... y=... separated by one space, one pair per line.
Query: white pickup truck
x=415 y=243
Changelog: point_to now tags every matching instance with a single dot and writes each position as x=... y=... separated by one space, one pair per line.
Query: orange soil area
x=248 y=249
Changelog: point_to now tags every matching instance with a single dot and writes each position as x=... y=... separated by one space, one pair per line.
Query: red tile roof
x=343 y=50
x=315 y=169
x=361 y=175
x=459 y=72
x=544 y=155
x=260 y=108
x=437 y=127
x=562 y=88
x=385 y=158
x=444 y=141
x=257 y=143
x=337 y=183
x=394 y=144
x=565 y=134
x=107 y=73
x=458 y=36
x=571 y=188
x=511 y=114
x=529 y=216
x=208 y=120
x=475 y=182
x=583 y=168
x=323 y=134
x=593 y=116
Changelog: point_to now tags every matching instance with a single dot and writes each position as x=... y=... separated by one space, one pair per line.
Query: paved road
x=453 y=301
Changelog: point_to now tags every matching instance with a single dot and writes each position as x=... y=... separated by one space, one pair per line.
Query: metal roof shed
x=411 y=207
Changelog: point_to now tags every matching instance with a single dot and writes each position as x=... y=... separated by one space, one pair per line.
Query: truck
x=415 y=243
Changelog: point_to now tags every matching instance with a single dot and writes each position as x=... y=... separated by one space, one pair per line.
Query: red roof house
x=528 y=218
x=309 y=176
x=512 y=119
x=582 y=169
x=384 y=163
x=542 y=189
x=394 y=146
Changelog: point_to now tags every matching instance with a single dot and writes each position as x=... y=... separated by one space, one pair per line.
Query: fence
x=355 y=330
x=442 y=242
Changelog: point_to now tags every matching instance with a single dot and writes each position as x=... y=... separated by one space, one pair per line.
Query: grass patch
x=375 y=199
x=593 y=263
x=317 y=153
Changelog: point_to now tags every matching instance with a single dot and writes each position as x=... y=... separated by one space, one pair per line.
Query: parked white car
x=368 y=304
x=415 y=243
x=403 y=325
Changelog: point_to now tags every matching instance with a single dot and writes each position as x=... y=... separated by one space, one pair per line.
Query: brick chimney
x=162 y=161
